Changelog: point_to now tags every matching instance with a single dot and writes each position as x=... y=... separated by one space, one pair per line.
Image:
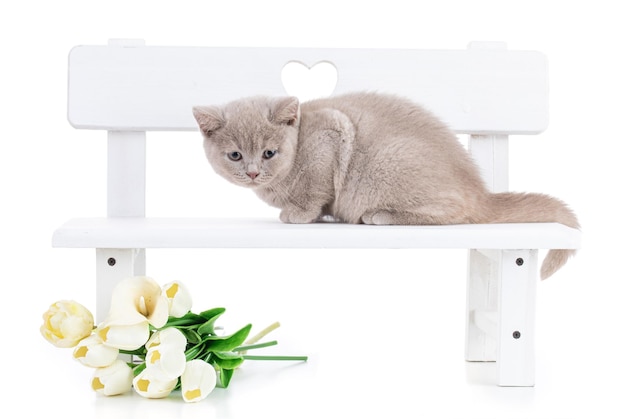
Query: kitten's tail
x=510 y=207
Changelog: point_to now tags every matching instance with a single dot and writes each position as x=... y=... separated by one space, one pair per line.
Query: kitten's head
x=252 y=141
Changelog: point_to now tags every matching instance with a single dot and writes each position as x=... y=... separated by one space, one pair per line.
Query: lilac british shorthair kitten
x=362 y=158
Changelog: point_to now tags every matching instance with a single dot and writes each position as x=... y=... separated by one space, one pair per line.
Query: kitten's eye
x=268 y=154
x=234 y=155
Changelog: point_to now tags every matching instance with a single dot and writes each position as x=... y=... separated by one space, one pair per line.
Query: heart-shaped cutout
x=308 y=83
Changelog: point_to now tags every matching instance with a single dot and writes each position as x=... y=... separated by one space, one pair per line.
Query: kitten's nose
x=252 y=175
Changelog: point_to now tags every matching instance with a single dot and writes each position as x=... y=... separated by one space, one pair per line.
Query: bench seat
x=140 y=232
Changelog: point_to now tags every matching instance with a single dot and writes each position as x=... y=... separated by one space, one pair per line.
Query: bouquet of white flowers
x=166 y=346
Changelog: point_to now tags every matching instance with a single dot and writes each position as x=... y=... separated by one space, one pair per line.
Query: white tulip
x=149 y=385
x=126 y=337
x=198 y=380
x=92 y=352
x=138 y=299
x=179 y=298
x=166 y=353
x=66 y=323
x=136 y=303
x=115 y=379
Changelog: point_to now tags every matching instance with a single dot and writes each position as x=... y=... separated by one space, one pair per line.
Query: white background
x=377 y=346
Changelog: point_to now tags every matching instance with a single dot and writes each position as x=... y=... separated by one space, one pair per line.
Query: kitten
x=362 y=158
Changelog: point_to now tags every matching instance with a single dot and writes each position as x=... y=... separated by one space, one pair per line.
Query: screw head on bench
x=519 y=261
x=111 y=261
x=517 y=335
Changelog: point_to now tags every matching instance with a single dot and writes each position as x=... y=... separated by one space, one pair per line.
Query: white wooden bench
x=486 y=91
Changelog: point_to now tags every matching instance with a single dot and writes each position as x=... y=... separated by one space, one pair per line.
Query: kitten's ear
x=209 y=118
x=286 y=111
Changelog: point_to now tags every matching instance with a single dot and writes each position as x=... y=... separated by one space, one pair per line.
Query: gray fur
x=362 y=158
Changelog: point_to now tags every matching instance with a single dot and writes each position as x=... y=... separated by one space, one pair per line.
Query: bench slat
x=129 y=232
x=143 y=88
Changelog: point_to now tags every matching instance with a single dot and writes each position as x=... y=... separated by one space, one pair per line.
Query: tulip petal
x=138 y=298
x=198 y=380
x=179 y=299
x=168 y=336
x=166 y=353
x=170 y=364
x=148 y=385
x=125 y=337
x=92 y=352
x=115 y=379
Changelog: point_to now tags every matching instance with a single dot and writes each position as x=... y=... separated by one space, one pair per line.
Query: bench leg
x=113 y=265
x=482 y=305
x=516 y=351
x=500 y=324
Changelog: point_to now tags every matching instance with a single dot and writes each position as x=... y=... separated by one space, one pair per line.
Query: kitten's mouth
x=255 y=179
x=252 y=183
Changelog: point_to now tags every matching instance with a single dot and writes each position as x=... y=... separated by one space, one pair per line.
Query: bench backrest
x=128 y=88
x=144 y=88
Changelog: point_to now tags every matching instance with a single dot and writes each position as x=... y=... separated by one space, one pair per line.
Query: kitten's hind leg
x=384 y=217
x=392 y=217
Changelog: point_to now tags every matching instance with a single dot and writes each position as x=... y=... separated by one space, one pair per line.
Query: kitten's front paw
x=378 y=217
x=298 y=216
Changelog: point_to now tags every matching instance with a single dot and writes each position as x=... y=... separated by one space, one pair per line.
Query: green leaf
x=210 y=316
x=191 y=335
x=213 y=313
x=194 y=352
x=139 y=368
x=227 y=360
x=225 y=376
x=227 y=343
x=189 y=319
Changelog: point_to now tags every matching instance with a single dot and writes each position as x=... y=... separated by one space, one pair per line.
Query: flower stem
x=254 y=339
x=141 y=352
x=262 y=333
x=275 y=358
